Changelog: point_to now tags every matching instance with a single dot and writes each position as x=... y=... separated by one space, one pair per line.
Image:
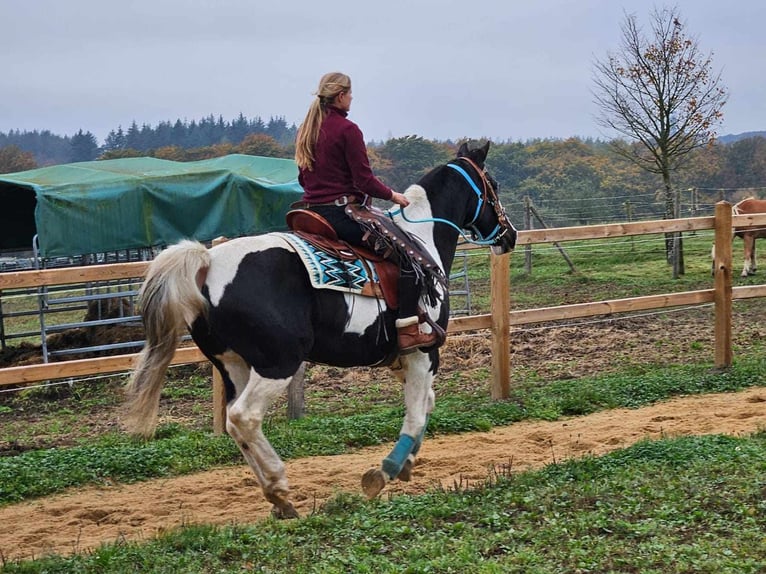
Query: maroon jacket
x=341 y=166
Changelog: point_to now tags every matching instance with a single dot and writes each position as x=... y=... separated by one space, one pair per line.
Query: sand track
x=84 y=518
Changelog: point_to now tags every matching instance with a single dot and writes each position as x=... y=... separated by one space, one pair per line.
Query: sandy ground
x=84 y=518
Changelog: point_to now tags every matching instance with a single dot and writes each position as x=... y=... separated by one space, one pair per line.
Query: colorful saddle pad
x=327 y=272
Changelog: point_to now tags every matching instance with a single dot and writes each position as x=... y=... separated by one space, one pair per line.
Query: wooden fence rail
x=498 y=321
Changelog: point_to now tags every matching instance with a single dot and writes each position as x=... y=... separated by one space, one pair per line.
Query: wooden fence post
x=500 y=293
x=527 y=225
x=722 y=270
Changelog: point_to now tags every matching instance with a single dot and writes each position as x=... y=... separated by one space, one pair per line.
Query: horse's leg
x=244 y=417
x=419 y=402
x=406 y=473
x=752 y=257
x=748 y=240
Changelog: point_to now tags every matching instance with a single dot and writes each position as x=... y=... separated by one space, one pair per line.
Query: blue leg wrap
x=394 y=462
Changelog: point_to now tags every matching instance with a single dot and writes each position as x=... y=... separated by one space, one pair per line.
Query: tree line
x=31 y=149
x=571 y=182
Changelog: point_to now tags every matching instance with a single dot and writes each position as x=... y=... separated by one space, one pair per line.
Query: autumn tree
x=410 y=158
x=747 y=162
x=508 y=165
x=377 y=162
x=564 y=181
x=121 y=153
x=13 y=159
x=170 y=152
x=262 y=145
x=661 y=92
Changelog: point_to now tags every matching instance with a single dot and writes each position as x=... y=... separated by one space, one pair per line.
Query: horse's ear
x=483 y=151
x=462 y=150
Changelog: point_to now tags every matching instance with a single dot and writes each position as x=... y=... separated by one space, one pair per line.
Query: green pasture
x=682 y=505
x=690 y=505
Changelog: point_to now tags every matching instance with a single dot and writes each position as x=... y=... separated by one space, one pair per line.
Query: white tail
x=170 y=301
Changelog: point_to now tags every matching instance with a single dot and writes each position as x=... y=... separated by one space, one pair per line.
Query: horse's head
x=485 y=217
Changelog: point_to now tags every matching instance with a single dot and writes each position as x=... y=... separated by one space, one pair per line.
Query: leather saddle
x=316 y=230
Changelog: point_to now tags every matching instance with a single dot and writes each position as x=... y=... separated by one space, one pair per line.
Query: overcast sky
x=442 y=69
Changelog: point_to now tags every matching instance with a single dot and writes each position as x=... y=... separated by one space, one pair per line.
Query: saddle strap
x=389 y=238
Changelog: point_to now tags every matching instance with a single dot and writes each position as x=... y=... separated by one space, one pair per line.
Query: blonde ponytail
x=330 y=86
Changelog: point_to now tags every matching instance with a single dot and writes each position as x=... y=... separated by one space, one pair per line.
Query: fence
x=106 y=302
x=114 y=303
x=498 y=321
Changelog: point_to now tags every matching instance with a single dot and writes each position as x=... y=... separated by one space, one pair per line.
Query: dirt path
x=84 y=518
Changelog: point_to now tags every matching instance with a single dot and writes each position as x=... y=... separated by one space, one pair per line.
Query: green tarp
x=112 y=205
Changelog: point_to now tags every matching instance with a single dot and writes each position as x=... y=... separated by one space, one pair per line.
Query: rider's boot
x=411 y=337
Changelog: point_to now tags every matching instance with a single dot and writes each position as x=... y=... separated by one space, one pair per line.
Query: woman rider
x=334 y=170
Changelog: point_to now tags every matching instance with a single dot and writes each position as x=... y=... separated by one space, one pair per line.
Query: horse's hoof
x=285 y=511
x=406 y=473
x=373 y=482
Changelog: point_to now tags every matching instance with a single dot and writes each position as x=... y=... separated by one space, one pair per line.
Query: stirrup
x=411 y=338
x=441 y=334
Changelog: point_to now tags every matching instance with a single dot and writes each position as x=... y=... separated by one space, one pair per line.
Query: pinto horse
x=251 y=309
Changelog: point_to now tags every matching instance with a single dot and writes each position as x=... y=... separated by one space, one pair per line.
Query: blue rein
x=489 y=240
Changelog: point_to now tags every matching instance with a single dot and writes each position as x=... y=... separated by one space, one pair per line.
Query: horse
x=748 y=206
x=250 y=308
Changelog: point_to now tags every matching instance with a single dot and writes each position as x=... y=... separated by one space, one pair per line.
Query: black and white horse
x=251 y=309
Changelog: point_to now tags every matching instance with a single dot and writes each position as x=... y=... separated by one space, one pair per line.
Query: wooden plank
x=500 y=293
x=85 y=274
x=722 y=271
x=611 y=230
x=83 y=367
x=748 y=291
x=752 y=220
x=472 y=323
x=578 y=310
x=593 y=309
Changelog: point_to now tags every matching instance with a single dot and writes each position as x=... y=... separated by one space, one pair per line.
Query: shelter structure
x=133 y=203
x=123 y=210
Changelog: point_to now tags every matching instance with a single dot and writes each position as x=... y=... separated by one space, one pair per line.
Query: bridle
x=485 y=196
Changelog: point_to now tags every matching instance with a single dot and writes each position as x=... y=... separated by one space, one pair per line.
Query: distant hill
x=731 y=138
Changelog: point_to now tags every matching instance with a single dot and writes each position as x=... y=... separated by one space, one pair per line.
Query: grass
x=178 y=449
x=689 y=505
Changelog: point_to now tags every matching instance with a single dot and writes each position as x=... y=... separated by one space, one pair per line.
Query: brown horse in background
x=749 y=206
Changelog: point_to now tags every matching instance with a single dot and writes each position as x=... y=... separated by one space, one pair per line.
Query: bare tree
x=661 y=93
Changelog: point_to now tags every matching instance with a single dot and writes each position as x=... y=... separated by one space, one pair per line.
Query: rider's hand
x=399 y=199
